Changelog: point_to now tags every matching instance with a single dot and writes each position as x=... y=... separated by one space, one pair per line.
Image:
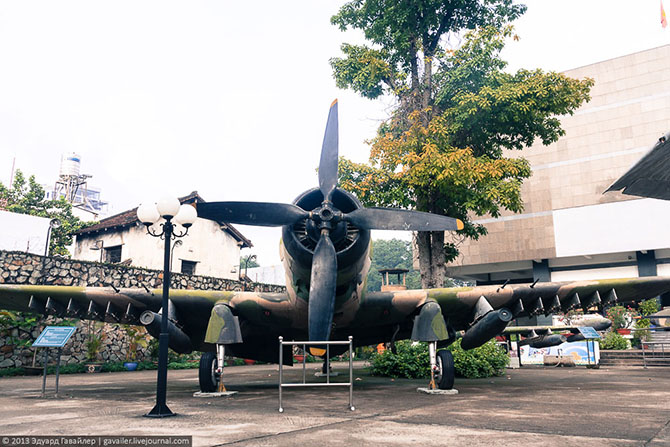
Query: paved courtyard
x=543 y=407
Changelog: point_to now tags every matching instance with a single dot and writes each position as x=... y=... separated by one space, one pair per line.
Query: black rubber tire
x=445 y=362
x=207 y=377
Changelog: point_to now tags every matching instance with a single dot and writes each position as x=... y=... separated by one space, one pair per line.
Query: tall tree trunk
x=427 y=81
x=431 y=258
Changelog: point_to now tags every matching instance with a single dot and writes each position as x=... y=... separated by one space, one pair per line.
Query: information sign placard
x=54 y=336
x=588 y=332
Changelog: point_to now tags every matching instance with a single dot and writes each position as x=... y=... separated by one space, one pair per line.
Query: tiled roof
x=129 y=218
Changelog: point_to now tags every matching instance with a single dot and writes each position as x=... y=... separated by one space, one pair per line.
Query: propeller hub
x=326 y=217
x=326 y=214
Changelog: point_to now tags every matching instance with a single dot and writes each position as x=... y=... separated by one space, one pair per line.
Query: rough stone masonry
x=25 y=268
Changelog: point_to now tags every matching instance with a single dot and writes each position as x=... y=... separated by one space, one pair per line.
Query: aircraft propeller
x=325 y=217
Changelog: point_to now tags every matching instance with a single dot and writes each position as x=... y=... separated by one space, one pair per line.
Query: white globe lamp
x=168 y=207
x=186 y=215
x=147 y=213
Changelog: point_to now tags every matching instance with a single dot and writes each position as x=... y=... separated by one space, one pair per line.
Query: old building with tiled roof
x=210 y=248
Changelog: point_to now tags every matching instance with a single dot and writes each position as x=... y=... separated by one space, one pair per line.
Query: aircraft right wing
x=463 y=306
x=485 y=311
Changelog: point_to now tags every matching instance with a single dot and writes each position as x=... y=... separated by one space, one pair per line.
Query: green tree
x=249 y=262
x=392 y=254
x=441 y=150
x=28 y=197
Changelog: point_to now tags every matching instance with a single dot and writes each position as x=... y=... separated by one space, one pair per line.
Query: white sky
x=226 y=98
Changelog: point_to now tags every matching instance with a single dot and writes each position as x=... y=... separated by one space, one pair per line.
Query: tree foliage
x=248 y=262
x=28 y=197
x=392 y=254
x=442 y=150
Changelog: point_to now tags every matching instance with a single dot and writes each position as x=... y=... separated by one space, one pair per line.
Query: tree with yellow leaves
x=442 y=150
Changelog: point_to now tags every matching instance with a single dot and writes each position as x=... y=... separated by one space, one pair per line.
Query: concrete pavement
x=557 y=406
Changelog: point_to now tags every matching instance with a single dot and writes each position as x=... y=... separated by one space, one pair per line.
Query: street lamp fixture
x=174 y=214
x=53 y=223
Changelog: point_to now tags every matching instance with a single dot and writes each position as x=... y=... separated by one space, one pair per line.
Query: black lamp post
x=174 y=214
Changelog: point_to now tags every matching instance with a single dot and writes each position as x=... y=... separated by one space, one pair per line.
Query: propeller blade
x=329 y=155
x=397 y=219
x=266 y=214
x=322 y=289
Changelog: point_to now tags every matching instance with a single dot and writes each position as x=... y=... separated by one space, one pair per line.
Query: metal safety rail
x=653 y=353
x=655 y=350
x=304 y=383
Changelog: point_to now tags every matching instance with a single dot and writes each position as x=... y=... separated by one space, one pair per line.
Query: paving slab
x=527 y=406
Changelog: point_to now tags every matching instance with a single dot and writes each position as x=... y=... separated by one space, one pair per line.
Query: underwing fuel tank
x=547 y=340
x=490 y=325
x=179 y=341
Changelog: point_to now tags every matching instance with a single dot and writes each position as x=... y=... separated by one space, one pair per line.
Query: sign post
x=589 y=335
x=53 y=337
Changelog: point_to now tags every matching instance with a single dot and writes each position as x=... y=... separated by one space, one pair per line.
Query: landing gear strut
x=442 y=370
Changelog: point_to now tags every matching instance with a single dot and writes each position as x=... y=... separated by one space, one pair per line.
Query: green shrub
x=113 y=367
x=613 y=341
x=641 y=334
x=648 y=307
x=183 y=365
x=412 y=362
x=486 y=361
x=6 y=372
x=73 y=368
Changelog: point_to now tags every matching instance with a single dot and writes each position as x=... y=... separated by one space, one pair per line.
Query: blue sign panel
x=54 y=336
x=588 y=332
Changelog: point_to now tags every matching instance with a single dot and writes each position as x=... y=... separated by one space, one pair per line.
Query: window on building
x=113 y=254
x=188 y=267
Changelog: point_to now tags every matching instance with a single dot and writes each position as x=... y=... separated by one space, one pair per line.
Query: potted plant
x=298 y=355
x=618 y=315
x=93 y=345
x=136 y=338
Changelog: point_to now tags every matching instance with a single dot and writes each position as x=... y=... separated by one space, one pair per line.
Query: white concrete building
x=272 y=274
x=210 y=248
x=23 y=232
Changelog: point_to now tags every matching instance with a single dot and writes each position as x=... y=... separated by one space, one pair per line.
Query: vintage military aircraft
x=325 y=249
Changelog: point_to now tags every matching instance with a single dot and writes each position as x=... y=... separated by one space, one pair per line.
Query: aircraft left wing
x=196 y=317
x=189 y=310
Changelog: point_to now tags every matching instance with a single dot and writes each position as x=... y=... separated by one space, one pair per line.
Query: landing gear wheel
x=207 y=375
x=444 y=376
x=324 y=367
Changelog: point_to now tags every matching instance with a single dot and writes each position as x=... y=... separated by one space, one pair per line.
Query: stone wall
x=24 y=268
x=15 y=353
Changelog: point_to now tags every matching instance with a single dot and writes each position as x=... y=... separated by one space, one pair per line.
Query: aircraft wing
x=485 y=311
x=192 y=311
x=649 y=177
x=462 y=305
x=192 y=308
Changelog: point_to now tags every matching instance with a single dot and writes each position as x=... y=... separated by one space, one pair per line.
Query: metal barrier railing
x=304 y=383
x=646 y=344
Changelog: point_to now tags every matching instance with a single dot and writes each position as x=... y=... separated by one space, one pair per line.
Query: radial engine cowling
x=300 y=239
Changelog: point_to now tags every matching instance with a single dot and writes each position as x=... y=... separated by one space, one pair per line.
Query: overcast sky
x=226 y=98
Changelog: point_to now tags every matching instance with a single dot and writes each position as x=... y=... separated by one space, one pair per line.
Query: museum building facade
x=569 y=230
